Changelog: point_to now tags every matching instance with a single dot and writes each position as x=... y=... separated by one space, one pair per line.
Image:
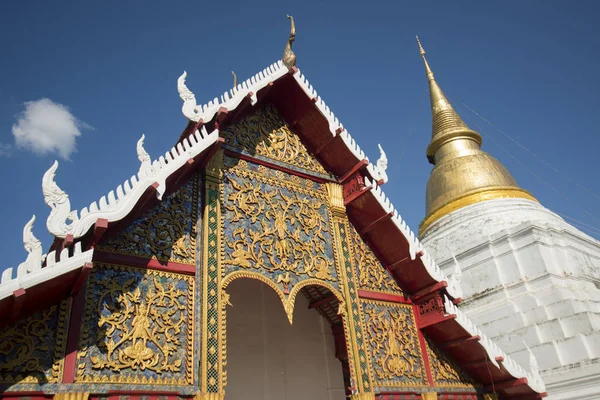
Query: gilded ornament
x=371 y=274
x=266 y=134
x=289 y=58
x=166 y=232
x=32 y=349
x=394 y=344
x=444 y=371
x=72 y=396
x=275 y=229
x=429 y=396
x=143 y=324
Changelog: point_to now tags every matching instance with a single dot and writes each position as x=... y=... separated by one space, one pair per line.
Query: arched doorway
x=267 y=358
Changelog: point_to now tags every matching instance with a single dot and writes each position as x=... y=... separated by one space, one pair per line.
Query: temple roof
x=369 y=210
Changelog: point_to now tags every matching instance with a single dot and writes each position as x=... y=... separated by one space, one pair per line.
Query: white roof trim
x=115 y=207
x=30 y=272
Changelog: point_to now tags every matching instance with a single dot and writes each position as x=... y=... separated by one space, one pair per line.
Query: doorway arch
x=269 y=358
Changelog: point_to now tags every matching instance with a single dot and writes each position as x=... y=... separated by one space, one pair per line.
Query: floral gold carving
x=31 y=350
x=371 y=274
x=393 y=340
x=266 y=134
x=278 y=230
x=444 y=371
x=144 y=326
x=166 y=232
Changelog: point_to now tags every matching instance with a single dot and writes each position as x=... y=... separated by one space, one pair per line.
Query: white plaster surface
x=528 y=277
x=267 y=358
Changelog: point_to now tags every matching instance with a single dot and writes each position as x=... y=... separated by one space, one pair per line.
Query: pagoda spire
x=463 y=174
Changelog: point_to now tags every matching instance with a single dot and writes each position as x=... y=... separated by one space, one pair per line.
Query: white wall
x=267 y=359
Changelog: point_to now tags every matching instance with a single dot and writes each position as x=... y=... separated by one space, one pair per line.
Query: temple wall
x=270 y=359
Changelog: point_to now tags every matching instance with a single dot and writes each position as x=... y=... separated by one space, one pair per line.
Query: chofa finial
x=234 y=79
x=382 y=164
x=189 y=108
x=289 y=58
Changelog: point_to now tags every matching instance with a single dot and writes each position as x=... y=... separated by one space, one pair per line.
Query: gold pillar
x=429 y=396
x=72 y=396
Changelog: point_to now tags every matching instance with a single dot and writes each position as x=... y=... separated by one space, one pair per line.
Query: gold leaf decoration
x=273 y=228
x=32 y=349
x=371 y=274
x=394 y=344
x=444 y=371
x=266 y=134
x=136 y=326
x=167 y=232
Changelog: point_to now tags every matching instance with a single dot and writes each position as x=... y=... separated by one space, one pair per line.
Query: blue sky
x=529 y=67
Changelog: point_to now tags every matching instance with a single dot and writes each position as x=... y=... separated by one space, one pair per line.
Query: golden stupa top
x=463 y=174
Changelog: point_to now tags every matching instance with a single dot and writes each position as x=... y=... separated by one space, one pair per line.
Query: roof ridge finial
x=289 y=58
x=234 y=79
x=424 y=55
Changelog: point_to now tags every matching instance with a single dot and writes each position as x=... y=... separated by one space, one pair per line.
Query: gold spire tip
x=421 y=50
x=234 y=79
x=289 y=58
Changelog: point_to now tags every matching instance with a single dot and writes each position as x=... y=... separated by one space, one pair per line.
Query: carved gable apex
x=264 y=134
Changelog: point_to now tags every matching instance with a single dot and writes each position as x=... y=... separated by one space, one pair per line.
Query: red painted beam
x=358 y=166
x=373 y=224
x=392 y=298
x=404 y=262
x=326 y=144
x=85 y=271
x=434 y=320
x=428 y=290
x=221 y=115
x=459 y=342
x=356 y=195
x=476 y=363
x=142 y=262
x=18 y=296
x=531 y=396
x=100 y=227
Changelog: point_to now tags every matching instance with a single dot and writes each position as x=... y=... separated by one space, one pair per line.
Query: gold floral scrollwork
x=395 y=351
x=285 y=231
x=371 y=274
x=166 y=232
x=429 y=396
x=133 y=318
x=444 y=371
x=266 y=134
x=31 y=349
x=137 y=327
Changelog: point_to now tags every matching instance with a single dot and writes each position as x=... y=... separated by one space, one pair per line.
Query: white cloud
x=46 y=127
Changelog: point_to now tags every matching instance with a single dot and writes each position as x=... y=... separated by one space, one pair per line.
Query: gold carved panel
x=444 y=371
x=372 y=275
x=167 y=232
x=276 y=224
x=138 y=327
x=393 y=343
x=265 y=133
x=32 y=349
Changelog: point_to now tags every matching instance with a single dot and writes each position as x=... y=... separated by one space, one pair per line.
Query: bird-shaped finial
x=234 y=79
x=289 y=58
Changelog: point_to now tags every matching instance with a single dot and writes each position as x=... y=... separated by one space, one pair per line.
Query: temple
x=529 y=279
x=259 y=258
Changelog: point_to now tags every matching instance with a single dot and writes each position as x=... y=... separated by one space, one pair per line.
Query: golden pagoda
x=463 y=174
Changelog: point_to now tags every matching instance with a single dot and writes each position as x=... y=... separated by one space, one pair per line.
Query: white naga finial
x=34 y=247
x=456 y=277
x=382 y=164
x=189 y=107
x=146 y=165
x=59 y=202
